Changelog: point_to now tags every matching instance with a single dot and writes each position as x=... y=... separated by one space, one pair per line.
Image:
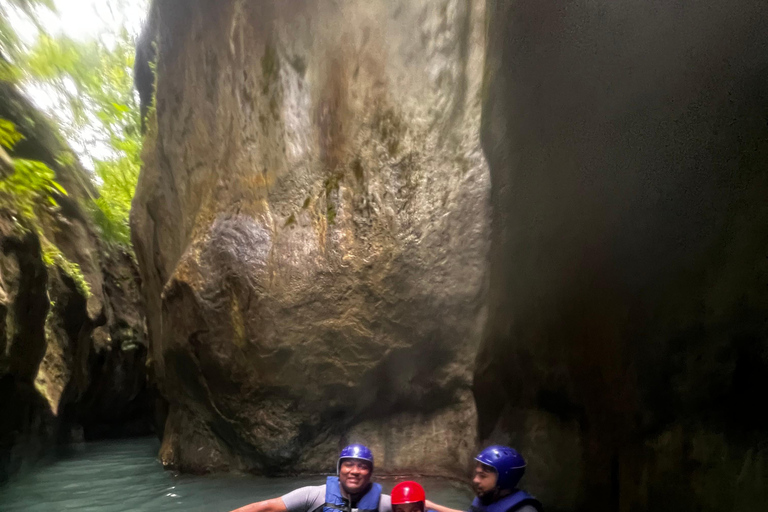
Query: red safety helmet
x=407 y=492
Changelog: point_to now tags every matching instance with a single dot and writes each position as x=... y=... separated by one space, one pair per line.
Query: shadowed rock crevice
x=26 y=423
x=626 y=338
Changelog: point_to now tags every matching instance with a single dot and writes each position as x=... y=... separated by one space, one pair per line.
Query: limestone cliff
x=72 y=342
x=312 y=232
x=626 y=351
x=311 y=227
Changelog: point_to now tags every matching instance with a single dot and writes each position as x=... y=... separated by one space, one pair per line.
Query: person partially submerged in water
x=498 y=470
x=350 y=491
x=408 y=497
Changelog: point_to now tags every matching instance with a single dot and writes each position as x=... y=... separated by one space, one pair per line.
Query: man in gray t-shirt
x=351 y=491
x=310 y=498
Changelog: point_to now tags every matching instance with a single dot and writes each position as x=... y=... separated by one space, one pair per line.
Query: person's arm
x=273 y=505
x=430 y=505
x=304 y=499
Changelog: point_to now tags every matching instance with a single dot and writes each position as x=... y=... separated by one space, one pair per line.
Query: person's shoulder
x=310 y=489
x=305 y=499
x=316 y=491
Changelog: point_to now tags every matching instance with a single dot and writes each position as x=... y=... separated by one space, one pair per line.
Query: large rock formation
x=72 y=342
x=626 y=348
x=311 y=229
x=311 y=225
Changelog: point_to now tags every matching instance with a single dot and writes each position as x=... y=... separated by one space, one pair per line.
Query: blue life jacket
x=334 y=501
x=509 y=503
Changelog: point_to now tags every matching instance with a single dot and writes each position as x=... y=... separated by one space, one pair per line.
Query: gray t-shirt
x=307 y=499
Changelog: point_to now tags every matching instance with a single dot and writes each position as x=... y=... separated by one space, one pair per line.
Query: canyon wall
x=626 y=351
x=311 y=227
x=72 y=341
x=315 y=223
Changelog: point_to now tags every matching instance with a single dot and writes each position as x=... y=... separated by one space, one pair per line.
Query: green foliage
x=31 y=180
x=10 y=43
x=104 y=112
x=30 y=187
x=31 y=183
x=93 y=82
x=9 y=136
x=53 y=257
x=97 y=109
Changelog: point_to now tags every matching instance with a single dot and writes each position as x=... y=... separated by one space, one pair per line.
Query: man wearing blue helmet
x=498 y=469
x=350 y=491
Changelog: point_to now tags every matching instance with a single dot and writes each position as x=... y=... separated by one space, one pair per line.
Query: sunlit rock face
x=626 y=350
x=311 y=226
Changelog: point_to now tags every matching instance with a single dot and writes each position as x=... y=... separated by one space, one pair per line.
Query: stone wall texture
x=327 y=257
x=626 y=350
x=73 y=347
x=311 y=226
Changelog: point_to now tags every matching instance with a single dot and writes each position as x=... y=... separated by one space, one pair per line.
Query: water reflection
x=125 y=476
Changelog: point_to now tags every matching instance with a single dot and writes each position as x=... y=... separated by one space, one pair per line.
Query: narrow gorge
x=328 y=256
x=424 y=225
x=74 y=348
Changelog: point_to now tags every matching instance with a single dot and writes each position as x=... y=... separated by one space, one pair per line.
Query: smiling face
x=484 y=480
x=354 y=475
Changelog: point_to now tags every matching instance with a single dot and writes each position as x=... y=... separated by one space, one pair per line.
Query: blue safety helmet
x=509 y=465
x=355 y=451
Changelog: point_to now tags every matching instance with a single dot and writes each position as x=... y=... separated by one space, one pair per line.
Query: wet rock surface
x=311 y=228
x=312 y=233
x=626 y=350
x=72 y=342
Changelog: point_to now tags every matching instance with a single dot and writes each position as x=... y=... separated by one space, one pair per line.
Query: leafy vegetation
x=90 y=86
x=31 y=183
x=11 y=46
x=30 y=188
x=53 y=257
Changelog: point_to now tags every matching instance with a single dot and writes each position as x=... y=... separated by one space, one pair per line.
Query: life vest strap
x=333 y=506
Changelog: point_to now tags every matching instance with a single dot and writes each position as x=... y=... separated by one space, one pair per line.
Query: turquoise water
x=125 y=476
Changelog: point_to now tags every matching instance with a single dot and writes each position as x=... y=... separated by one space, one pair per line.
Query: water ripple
x=123 y=476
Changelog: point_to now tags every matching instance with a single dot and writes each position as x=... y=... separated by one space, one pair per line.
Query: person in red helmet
x=408 y=497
